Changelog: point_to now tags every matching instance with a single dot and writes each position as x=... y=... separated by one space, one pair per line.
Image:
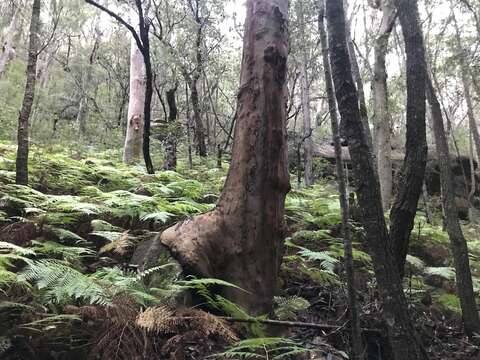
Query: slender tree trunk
x=404 y=208
x=359 y=83
x=305 y=93
x=464 y=71
x=7 y=51
x=241 y=239
x=356 y=341
x=24 y=116
x=458 y=243
x=382 y=116
x=171 y=141
x=82 y=115
x=136 y=106
x=144 y=36
x=197 y=116
x=404 y=341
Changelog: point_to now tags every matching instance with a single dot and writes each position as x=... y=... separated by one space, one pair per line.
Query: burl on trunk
x=241 y=240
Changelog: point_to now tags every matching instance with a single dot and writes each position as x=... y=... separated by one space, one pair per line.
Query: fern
x=159 y=216
x=287 y=307
x=447 y=273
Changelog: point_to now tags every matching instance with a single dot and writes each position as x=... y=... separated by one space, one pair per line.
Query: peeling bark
x=7 y=51
x=241 y=239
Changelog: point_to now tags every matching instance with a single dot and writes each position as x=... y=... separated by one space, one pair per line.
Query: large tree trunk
x=132 y=150
x=462 y=56
x=382 y=117
x=305 y=93
x=171 y=141
x=241 y=240
x=404 y=341
x=458 y=243
x=24 y=116
x=7 y=51
x=356 y=341
x=404 y=208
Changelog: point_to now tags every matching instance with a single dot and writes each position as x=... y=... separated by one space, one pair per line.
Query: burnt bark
x=171 y=140
x=241 y=239
x=458 y=243
x=21 y=176
x=356 y=340
x=404 y=207
x=403 y=339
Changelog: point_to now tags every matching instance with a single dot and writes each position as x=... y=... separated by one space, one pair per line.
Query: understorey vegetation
x=80 y=277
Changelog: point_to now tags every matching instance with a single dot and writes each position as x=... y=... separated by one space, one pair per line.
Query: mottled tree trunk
x=24 y=116
x=197 y=117
x=382 y=116
x=403 y=339
x=241 y=239
x=132 y=150
x=305 y=94
x=7 y=51
x=356 y=341
x=458 y=243
x=171 y=141
x=404 y=207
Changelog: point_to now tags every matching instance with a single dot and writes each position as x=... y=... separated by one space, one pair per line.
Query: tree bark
x=305 y=94
x=132 y=149
x=7 y=53
x=241 y=239
x=404 y=208
x=458 y=244
x=403 y=339
x=382 y=117
x=24 y=116
x=359 y=83
x=464 y=71
x=356 y=340
x=171 y=141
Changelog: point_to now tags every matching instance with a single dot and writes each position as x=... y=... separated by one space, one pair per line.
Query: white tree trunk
x=134 y=137
x=7 y=50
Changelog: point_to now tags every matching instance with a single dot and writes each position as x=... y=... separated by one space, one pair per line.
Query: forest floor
x=78 y=281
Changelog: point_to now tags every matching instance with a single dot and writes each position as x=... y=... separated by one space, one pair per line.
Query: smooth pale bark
x=356 y=341
x=171 y=141
x=382 y=116
x=464 y=71
x=404 y=209
x=305 y=94
x=21 y=176
x=7 y=51
x=458 y=244
x=132 y=150
x=241 y=240
x=402 y=336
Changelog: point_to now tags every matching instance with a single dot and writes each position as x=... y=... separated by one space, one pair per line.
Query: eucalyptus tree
x=404 y=340
x=21 y=171
x=142 y=39
x=8 y=36
x=241 y=239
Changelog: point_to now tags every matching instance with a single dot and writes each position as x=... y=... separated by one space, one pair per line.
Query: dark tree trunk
x=171 y=141
x=197 y=116
x=404 y=207
x=144 y=31
x=24 y=116
x=403 y=339
x=241 y=240
x=356 y=341
x=458 y=243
